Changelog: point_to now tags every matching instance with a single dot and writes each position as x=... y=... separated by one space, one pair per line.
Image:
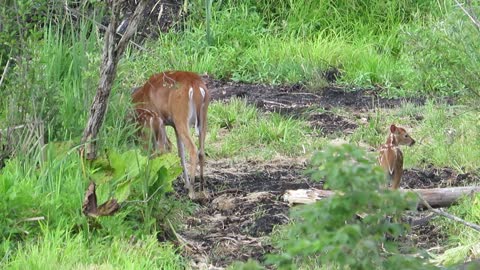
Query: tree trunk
x=112 y=52
x=436 y=197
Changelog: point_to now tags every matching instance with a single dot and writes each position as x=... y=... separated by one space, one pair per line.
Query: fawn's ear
x=393 y=128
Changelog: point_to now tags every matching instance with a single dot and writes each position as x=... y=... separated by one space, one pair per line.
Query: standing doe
x=391 y=157
x=179 y=99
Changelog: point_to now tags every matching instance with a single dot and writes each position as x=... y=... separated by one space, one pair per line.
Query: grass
x=240 y=130
x=462 y=241
x=57 y=249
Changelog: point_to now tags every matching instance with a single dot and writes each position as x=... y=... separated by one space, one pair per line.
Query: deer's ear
x=393 y=128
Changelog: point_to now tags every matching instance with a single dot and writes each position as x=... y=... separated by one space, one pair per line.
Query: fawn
x=391 y=157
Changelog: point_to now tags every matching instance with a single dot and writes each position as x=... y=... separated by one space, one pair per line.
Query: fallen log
x=436 y=197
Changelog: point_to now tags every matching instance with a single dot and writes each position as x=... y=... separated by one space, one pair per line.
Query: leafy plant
x=130 y=169
x=331 y=231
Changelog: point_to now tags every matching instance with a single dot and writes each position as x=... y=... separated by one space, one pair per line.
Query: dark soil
x=433 y=177
x=329 y=123
x=246 y=205
x=295 y=99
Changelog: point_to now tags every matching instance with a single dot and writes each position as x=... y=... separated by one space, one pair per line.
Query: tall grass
x=58 y=249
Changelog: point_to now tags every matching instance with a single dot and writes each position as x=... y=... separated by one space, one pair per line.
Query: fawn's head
x=401 y=136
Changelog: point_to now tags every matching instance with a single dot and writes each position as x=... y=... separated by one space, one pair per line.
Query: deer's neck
x=391 y=140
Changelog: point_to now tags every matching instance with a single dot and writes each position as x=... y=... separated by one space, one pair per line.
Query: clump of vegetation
x=45 y=203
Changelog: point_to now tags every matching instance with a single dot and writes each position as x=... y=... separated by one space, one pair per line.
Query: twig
x=148 y=199
x=230 y=190
x=33 y=219
x=275 y=103
x=101 y=25
x=298 y=94
x=5 y=69
x=449 y=216
x=470 y=16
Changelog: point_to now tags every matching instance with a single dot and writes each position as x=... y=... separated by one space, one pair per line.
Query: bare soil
x=246 y=202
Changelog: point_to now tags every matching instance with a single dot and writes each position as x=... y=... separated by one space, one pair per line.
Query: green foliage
x=308 y=16
x=128 y=169
x=447 y=137
x=242 y=130
x=58 y=249
x=248 y=265
x=293 y=41
x=233 y=114
x=53 y=191
x=330 y=230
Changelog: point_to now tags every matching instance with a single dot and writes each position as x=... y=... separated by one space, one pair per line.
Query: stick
x=101 y=25
x=449 y=216
x=470 y=16
x=5 y=71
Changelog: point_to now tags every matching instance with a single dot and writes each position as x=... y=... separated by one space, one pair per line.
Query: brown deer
x=179 y=99
x=391 y=157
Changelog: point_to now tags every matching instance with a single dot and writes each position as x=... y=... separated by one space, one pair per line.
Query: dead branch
x=449 y=216
x=5 y=69
x=470 y=14
x=112 y=52
x=90 y=207
x=436 y=197
x=103 y=27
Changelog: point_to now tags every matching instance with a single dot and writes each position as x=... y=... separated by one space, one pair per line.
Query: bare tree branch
x=449 y=216
x=5 y=69
x=111 y=55
x=76 y=12
x=470 y=14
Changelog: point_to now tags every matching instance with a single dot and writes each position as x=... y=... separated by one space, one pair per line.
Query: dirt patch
x=329 y=123
x=295 y=99
x=424 y=234
x=298 y=101
x=246 y=205
x=433 y=177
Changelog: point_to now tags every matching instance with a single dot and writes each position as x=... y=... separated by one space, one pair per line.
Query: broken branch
x=449 y=216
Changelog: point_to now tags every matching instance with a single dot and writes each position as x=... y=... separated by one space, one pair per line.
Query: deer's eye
x=406 y=136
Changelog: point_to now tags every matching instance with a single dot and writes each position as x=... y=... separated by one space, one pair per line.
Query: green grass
x=462 y=241
x=240 y=130
x=53 y=191
x=57 y=249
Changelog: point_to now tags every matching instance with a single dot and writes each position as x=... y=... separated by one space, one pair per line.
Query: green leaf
x=123 y=191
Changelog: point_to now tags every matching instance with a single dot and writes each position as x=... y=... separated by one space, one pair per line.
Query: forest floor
x=247 y=202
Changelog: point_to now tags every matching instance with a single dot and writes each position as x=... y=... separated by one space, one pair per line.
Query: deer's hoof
x=200 y=197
